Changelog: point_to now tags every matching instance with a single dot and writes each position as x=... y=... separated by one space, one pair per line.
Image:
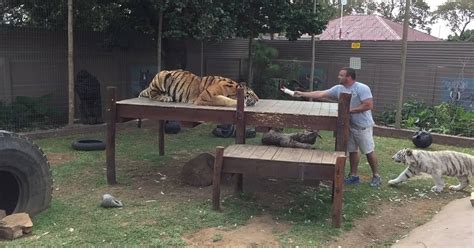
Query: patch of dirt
x=147 y=183
x=56 y=159
x=259 y=232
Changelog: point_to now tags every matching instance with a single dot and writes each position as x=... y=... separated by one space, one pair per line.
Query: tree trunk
x=70 y=60
x=158 y=39
x=250 y=63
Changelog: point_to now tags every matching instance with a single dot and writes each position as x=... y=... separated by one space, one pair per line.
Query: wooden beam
x=343 y=122
x=216 y=180
x=111 y=127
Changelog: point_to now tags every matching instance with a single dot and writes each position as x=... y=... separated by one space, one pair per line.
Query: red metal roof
x=370 y=27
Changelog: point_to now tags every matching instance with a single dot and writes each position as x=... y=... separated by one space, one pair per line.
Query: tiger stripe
x=184 y=86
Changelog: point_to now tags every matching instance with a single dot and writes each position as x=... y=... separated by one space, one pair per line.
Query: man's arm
x=312 y=94
x=367 y=104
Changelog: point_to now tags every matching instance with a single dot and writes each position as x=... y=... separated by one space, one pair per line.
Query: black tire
x=25 y=176
x=88 y=145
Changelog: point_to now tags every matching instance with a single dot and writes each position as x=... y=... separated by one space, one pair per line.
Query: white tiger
x=437 y=164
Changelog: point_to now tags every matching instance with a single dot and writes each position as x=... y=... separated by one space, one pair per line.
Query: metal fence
x=33 y=69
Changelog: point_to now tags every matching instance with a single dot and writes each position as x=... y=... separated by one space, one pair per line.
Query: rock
x=199 y=170
x=108 y=201
x=15 y=225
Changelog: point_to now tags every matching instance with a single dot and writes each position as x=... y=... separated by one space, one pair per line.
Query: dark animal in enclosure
x=87 y=88
x=304 y=139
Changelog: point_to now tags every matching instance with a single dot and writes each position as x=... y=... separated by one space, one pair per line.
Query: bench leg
x=161 y=137
x=239 y=183
x=216 y=180
x=338 y=187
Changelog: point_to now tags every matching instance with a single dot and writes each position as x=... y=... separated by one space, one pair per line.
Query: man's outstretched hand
x=287 y=91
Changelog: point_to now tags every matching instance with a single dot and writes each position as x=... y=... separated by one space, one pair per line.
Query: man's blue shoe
x=351 y=180
x=376 y=181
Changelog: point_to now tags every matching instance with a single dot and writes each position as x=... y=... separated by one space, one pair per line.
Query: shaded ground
x=390 y=222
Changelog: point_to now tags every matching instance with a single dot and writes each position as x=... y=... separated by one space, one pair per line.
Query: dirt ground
x=391 y=222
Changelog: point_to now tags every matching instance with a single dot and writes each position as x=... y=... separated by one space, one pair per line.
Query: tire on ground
x=88 y=145
x=25 y=176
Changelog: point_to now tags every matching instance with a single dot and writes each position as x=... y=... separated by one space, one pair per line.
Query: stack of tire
x=25 y=176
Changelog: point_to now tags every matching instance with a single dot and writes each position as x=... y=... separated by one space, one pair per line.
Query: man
x=361 y=122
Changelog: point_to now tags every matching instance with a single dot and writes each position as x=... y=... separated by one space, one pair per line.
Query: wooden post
x=70 y=60
x=239 y=118
x=161 y=137
x=111 y=120
x=343 y=122
x=338 y=189
x=216 y=180
x=240 y=131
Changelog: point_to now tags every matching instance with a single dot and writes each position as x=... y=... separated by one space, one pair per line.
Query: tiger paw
x=456 y=187
x=437 y=189
x=166 y=99
x=393 y=182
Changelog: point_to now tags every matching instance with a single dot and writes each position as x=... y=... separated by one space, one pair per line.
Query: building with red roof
x=370 y=27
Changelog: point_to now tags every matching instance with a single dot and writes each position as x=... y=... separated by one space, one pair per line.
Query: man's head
x=346 y=76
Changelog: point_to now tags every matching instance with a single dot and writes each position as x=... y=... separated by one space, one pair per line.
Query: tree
x=301 y=19
x=420 y=14
x=458 y=14
x=293 y=18
x=467 y=35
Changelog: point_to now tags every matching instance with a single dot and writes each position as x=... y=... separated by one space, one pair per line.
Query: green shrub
x=29 y=112
x=445 y=118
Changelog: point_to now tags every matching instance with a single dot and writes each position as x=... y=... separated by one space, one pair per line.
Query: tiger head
x=250 y=97
x=230 y=90
x=403 y=156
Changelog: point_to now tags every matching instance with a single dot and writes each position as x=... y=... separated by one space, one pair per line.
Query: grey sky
x=440 y=29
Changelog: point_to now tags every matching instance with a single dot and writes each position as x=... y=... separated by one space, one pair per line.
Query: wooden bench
x=279 y=162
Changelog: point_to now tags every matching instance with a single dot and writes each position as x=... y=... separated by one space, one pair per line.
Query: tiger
x=186 y=87
x=437 y=164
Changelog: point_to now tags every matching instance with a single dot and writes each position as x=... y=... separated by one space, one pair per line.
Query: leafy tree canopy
x=420 y=15
x=458 y=14
x=197 y=19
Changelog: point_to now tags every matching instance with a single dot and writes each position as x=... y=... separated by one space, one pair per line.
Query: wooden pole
x=313 y=56
x=338 y=189
x=216 y=180
x=398 y=115
x=343 y=122
x=70 y=60
x=239 y=118
x=110 y=145
x=158 y=39
x=161 y=137
x=240 y=131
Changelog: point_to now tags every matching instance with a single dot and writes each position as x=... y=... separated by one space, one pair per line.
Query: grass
x=160 y=212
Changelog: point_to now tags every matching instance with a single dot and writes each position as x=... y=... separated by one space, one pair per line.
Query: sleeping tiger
x=437 y=163
x=184 y=86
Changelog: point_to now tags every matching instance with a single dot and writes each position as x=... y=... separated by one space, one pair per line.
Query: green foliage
x=445 y=118
x=458 y=14
x=467 y=35
x=28 y=112
x=265 y=70
x=302 y=19
x=270 y=74
x=420 y=14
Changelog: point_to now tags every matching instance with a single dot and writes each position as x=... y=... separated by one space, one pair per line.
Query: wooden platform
x=279 y=162
x=267 y=113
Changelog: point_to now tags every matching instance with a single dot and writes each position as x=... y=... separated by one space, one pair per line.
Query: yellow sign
x=355 y=45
